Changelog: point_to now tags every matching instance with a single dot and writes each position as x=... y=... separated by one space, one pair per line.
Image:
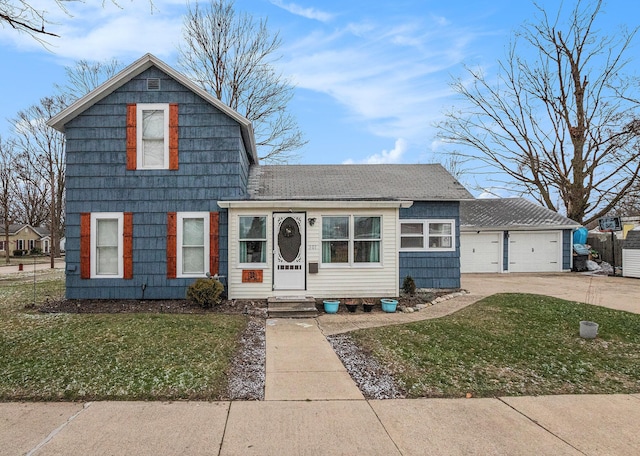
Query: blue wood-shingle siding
x=432 y=269
x=213 y=165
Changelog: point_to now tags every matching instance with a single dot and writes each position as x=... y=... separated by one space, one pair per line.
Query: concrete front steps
x=292 y=307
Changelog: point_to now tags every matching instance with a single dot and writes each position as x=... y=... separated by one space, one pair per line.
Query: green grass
x=512 y=344
x=110 y=356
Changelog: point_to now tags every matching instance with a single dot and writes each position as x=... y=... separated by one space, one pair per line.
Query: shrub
x=409 y=286
x=205 y=292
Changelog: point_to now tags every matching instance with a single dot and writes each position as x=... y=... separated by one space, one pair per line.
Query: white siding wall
x=364 y=281
x=372 y=281
x=631 y=263
x=237 y=289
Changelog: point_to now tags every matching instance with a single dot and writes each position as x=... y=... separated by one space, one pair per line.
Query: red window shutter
x=85 y=245
x=132 y=139
x=128 y=245
x=171 y=245
x=173 y=136
x=214 y=255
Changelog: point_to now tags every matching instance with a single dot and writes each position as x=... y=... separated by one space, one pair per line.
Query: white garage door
x=539 y=251
x=480 y=252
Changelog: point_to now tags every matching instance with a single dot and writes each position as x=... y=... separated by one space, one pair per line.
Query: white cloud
x=97 y=31
x=386 y=156
x=309 y=13
x=391 y=77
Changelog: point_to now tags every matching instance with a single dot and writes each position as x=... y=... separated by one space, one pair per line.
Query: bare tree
x=562 y=126
x=232 y=56
x=25 y=17
x=43 y=152
x=85 y=76
x=7 y=190
x=31 y=195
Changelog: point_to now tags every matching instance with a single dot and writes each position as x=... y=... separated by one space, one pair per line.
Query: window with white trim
x=152 y=136
x=20 y=244
x=107 y=244
x=427 y=235
x=252 y=237
x=351 y=240
x=193 y=244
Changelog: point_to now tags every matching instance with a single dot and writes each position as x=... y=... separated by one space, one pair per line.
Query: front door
x=289 y=251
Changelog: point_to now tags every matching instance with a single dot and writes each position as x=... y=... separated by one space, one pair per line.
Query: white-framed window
x=107 y=244
x=152 y=136
x=252 y=237
x=193 y=244
x=20 y=244
x=351 y=240
x=427 y=235
x=32 y=244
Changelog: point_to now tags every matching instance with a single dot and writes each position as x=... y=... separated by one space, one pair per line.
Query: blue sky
x=372 y=77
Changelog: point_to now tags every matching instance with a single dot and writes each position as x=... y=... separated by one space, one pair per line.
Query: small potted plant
x=351 y=304
x=367 y=305
x=389 y=305
x=331 y=305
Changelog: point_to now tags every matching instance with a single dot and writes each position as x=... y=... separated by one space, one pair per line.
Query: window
x=20 y=244
x=432 y=235
x=335 y=239
x=152 y=136
x=193 y=244
x=366 y=244
x=32 y=244
x=253 y=239
x=106 y=244
x=349 y=240
x=3 y=245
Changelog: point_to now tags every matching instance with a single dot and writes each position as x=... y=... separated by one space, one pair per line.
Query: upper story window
x=427 y=235
x=351 y=240
x=152 y=136
x=253 y=239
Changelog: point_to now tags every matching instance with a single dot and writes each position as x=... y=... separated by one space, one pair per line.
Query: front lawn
x=511 y=344
x=110 y=356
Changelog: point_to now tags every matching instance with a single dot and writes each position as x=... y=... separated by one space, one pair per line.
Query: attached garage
x=513 y=235
x=535 y=251
x=480 y=252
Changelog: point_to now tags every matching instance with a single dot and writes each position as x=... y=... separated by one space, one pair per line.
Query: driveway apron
x=301 y=365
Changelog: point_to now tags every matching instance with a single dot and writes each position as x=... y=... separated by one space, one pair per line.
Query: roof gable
x=510 y=213
x=417 y=182
x=136 y=68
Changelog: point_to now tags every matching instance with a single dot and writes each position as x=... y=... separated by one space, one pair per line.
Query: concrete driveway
x=620 y=293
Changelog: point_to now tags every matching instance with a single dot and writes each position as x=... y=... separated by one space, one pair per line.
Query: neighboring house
x=631 y=255
x=164 y=186
x=514 y=235
x=24 y=238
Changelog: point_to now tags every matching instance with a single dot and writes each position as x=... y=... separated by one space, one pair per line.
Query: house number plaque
x=252 y=276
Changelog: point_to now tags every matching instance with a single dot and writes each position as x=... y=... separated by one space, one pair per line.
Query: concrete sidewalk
x=313 y=407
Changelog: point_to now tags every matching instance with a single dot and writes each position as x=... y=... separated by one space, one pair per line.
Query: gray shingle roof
x=354 y=182
x=509 y=213
x=632 y=242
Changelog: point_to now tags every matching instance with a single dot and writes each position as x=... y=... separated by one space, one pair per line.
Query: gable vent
x=153 y=84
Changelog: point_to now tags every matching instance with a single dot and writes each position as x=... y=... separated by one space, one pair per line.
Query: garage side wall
x=433 y=269
x=567 y=249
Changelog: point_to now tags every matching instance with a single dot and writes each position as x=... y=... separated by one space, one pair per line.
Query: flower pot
x=351 y=307
x=588 y=329
x=389 y=305
x=367 y=307
x=330 y=306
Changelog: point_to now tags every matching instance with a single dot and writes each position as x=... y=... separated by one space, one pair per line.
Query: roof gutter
x=295 y=204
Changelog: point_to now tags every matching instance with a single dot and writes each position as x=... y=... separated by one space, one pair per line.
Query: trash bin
x=580 y=263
